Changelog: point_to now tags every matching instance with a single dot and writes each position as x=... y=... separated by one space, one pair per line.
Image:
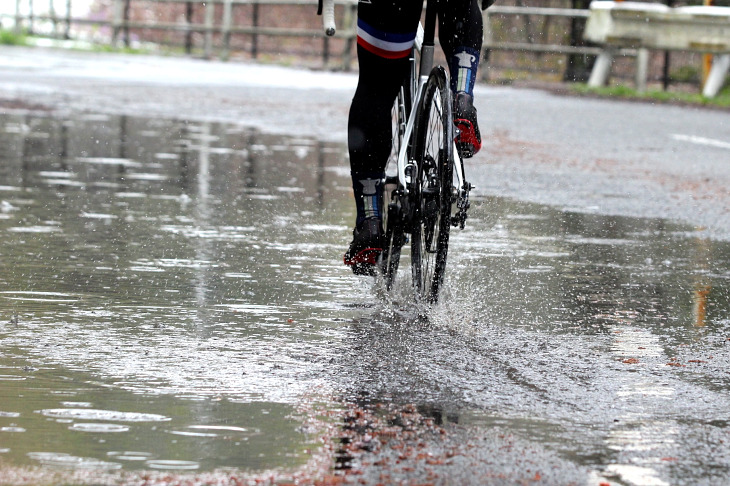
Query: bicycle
x=426 y=192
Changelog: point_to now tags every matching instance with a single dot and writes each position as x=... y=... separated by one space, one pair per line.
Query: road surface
x=171 y=281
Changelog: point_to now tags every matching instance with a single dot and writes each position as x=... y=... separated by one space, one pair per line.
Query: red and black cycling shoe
x=469 y=140
x=366 y=247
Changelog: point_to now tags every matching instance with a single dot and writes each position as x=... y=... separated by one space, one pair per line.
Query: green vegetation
x=121 y=49
x=686 y=74
x=10 y=38
x=624 y=92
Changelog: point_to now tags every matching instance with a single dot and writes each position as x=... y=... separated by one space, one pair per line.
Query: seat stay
x=459 y=168
x=403 y=160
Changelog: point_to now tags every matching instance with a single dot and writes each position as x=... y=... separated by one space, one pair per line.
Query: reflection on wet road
x=160 y=267
x=171 y=293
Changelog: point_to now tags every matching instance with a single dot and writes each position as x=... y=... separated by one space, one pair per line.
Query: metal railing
x=218 y=24
x=227 y=28
x=55 y=24
x=497 y=10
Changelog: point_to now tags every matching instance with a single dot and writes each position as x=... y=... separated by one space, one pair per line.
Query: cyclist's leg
x=460 y=32
x=386 y=29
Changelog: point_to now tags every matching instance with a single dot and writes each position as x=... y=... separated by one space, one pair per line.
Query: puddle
x=155 y=292
x=172 y=292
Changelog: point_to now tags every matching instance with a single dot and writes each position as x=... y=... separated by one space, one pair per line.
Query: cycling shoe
x=366 y=247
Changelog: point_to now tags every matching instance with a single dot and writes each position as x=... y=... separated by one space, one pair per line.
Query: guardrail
x=578 y=54
x=646 y=26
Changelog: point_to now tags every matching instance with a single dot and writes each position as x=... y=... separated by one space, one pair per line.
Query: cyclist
x=386 y=32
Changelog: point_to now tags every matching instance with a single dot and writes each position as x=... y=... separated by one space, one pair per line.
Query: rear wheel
x=432 y=192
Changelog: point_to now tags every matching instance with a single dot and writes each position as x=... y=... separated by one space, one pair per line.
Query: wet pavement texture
x=172 y=299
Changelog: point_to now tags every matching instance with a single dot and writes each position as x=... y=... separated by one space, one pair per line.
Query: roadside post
x=706 y=58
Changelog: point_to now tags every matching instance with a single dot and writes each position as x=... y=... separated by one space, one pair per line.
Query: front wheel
x=432 y=191
x=393 y=217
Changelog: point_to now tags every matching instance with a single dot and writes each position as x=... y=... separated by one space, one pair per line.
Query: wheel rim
x=431 y=228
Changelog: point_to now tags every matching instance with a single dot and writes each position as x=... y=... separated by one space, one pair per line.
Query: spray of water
x=460 y=307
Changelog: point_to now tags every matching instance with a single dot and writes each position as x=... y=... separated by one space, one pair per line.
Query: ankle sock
x=368 y=190
x=463 y=66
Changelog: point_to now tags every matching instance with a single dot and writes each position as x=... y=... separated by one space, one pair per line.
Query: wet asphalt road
x=583 y=337
x=589 y=155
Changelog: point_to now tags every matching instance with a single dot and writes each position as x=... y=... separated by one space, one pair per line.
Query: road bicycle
x=426 y=192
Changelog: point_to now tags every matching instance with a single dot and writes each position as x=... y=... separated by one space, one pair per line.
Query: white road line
x=710 y=142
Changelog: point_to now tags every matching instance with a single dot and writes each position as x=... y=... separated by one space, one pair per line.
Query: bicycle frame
x=425 y=45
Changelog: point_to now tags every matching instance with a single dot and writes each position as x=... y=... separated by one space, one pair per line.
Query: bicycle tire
x=393 y=221
x=432 y=191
